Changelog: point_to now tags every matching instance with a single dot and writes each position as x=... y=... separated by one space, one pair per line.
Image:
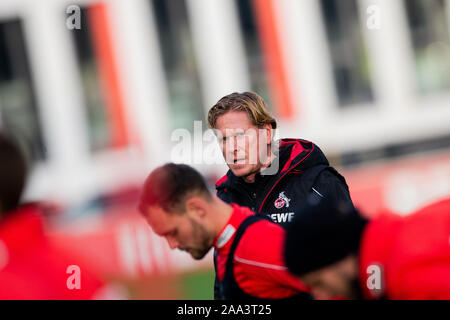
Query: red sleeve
x=430 y=282
x=259 y=264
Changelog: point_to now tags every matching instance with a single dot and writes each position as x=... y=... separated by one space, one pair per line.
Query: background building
x=96 y=107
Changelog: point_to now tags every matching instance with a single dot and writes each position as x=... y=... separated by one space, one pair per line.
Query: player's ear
x=196 y=206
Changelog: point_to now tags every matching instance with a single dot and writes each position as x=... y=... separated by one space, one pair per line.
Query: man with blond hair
x=273 y=178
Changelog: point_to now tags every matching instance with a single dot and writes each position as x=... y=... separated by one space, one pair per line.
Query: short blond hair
x=249 y=102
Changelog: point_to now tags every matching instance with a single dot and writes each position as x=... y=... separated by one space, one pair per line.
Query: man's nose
x=232 y=144
x=173 y=244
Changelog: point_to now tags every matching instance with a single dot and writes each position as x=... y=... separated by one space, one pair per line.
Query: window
x=177 y=51
x=252 y=43
x=351 y=66
x=95 y=111
x=18 y=109
x=430 y=36
x=101 y=90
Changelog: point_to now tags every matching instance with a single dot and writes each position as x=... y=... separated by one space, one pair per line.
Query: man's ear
x=269 y=132
x=196 y=206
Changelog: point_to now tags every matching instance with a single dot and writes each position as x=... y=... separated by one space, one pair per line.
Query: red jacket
x=259 y=267
x=31 y=268
x=413 y=254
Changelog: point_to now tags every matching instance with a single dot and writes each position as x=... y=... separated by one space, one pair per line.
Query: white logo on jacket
x=282 y=217
x=282 y=201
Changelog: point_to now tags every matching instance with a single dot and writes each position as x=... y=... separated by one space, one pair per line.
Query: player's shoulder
x=261 y=238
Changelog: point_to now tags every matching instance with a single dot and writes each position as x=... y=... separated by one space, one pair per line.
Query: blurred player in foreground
x=178 y=206
x=336 y=252
x=30 y=267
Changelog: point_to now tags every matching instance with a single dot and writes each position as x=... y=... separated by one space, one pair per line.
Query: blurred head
x=176 y=204
x=245 y=131
x=13 y=171
x=321 y=247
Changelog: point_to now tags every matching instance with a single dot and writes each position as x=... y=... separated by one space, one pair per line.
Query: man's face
x=244 y=145
x=334 y=281
x=181 y=231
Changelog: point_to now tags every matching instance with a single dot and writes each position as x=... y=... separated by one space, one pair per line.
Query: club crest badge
x=282 y=201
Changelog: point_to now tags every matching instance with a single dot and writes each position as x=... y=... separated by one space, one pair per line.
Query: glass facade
x=18 y=107
x=351 y=65
x=179 y=62
x=430 y=37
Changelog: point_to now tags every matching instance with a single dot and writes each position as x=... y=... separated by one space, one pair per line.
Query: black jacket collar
x=293 y=154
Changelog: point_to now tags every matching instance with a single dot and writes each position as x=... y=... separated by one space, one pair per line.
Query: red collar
x=223 y=240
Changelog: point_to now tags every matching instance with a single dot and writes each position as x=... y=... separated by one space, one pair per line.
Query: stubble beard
x=204 y=239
